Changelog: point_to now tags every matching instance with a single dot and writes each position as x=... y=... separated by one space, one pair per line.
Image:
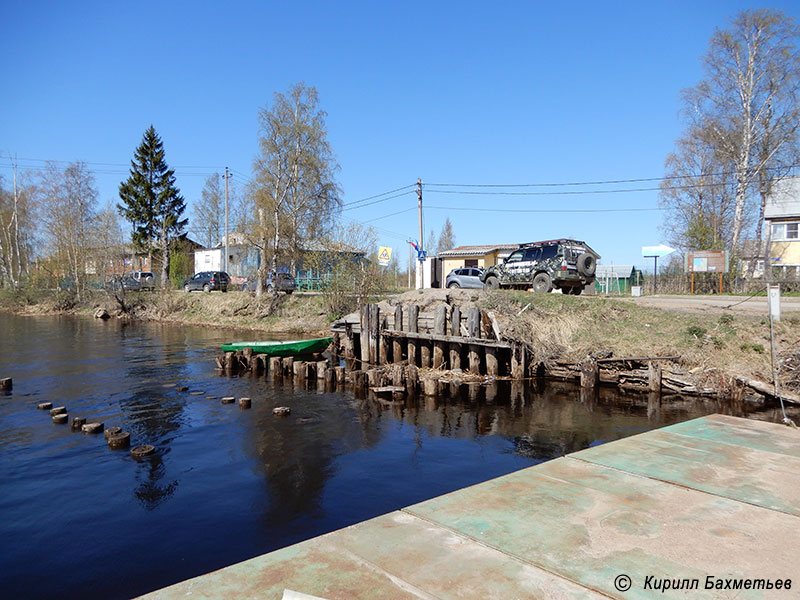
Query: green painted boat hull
x=290 y=348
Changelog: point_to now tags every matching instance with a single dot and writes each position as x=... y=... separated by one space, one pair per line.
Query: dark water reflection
x=78 y=520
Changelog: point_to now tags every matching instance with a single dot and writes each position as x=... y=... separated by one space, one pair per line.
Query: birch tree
x=295 y=193
x=16 y=229
x=68 y=199
x=748 y=103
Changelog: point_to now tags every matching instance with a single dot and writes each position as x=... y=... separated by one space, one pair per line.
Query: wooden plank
x=446 y=338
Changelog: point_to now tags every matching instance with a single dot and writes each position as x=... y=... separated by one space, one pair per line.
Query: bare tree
x=748 y=101
x=295 y=192
x=16 y=229
x=447 y=240
x=68 y=201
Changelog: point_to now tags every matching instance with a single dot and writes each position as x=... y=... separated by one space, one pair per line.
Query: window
x=785 y=231
x=548 y=252
x=471 y=262
x=515 y=257
x=532 y=254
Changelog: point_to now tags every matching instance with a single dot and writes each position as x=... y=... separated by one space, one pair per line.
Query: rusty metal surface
x=716 y=496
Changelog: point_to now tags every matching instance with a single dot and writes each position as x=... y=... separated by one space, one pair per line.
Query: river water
x=78 y=520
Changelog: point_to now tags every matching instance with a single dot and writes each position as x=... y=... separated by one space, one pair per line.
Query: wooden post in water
x=322 y=369
x=383 y=343
x=397 y=346
x=365 y=329
x=335 y=348
x=288 y=366
x=492 y=367
x=439 y=328
x=474 y=358
x=340 y=374
x=412 y=324
x=275 y=366
x=429 y=387
x=397 y=376
x=412 y=378
x=374 y=377
x=474 y=331
x=590 y=373
x=518 y=361
x=374 y=332
x=349 y=351
x=455 y=330
x=654 y=376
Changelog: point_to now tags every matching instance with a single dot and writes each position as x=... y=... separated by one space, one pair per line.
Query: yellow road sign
x=384 y=255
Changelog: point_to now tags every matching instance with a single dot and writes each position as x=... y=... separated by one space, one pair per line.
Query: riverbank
x=715 y=346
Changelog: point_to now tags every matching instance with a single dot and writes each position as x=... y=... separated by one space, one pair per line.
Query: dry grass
x=719 y=345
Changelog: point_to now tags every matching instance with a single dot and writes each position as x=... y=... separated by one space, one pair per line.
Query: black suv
x=568 y=265
x=207 y=281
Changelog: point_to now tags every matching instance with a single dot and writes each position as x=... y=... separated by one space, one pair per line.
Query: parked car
x=145 y=278
x=207 y=281
x=282 y=282
x=125 y=283
x=568 y=265
x=465 y=277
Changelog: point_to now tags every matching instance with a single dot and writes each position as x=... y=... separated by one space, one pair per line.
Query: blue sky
x=449 y=92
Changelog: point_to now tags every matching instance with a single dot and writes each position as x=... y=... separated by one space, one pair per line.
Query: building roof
x=483 y=250
x=784 y=200
x=612 y=271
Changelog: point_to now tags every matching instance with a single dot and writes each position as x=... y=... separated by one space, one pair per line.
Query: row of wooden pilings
x=394 y=379
x=388 y=353
x=469 y=342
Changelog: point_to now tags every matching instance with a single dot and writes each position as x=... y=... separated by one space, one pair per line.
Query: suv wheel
x=206 y=288
x=576 y=291
x=186 y=288
x=491 y=283
x=586 y=264
x=542 y=283
x=453 y=285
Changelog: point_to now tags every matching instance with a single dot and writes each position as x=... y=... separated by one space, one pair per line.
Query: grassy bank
x=294 y=314
x=714 y=345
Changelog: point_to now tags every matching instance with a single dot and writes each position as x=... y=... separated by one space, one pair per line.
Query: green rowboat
x=290 y=348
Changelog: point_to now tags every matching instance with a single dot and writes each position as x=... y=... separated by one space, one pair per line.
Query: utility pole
x=421 y=247
x=225 y=262
x=410 y=262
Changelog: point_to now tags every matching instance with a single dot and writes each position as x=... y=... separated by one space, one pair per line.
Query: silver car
x=464 y=277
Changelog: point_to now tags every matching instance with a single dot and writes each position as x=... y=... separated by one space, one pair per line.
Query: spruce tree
x=152 y=202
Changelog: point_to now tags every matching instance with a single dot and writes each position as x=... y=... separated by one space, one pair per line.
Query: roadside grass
x=570 y=328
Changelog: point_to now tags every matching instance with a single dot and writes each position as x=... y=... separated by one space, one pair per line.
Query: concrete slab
x=717 y=496
x=758 y=435
x=590 y=524
x=756 y=477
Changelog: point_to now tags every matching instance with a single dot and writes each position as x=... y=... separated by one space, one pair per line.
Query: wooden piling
x=455 y=356
x=322 y=369
x=439 y=328
x=383 y=342
x=298 y=369
x=455 y=321
x=374 y=333
x=413 y=326
x=429 y=387
x=590 y=373
x=474 y=359
x=275 y=366
x=654 y=376
x=288 y=365
x=474 y=323
x=6 y=384
x=339 y=374
x=492 y=367
x=229 y=361
x=374 y=378
x=364 y=335
x=310 y=370
x=397 y=346
x=518 y=361
x=425 y=355
x=397 y=376
x=349 y=350
x=335 y=348
x=412 y=379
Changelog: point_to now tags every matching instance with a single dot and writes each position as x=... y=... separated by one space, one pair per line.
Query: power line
x=554 y=210
x=350 y=207
x=600 y=182
x=580 y=192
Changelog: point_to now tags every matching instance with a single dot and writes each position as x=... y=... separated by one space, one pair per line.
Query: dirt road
x=741 y=304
